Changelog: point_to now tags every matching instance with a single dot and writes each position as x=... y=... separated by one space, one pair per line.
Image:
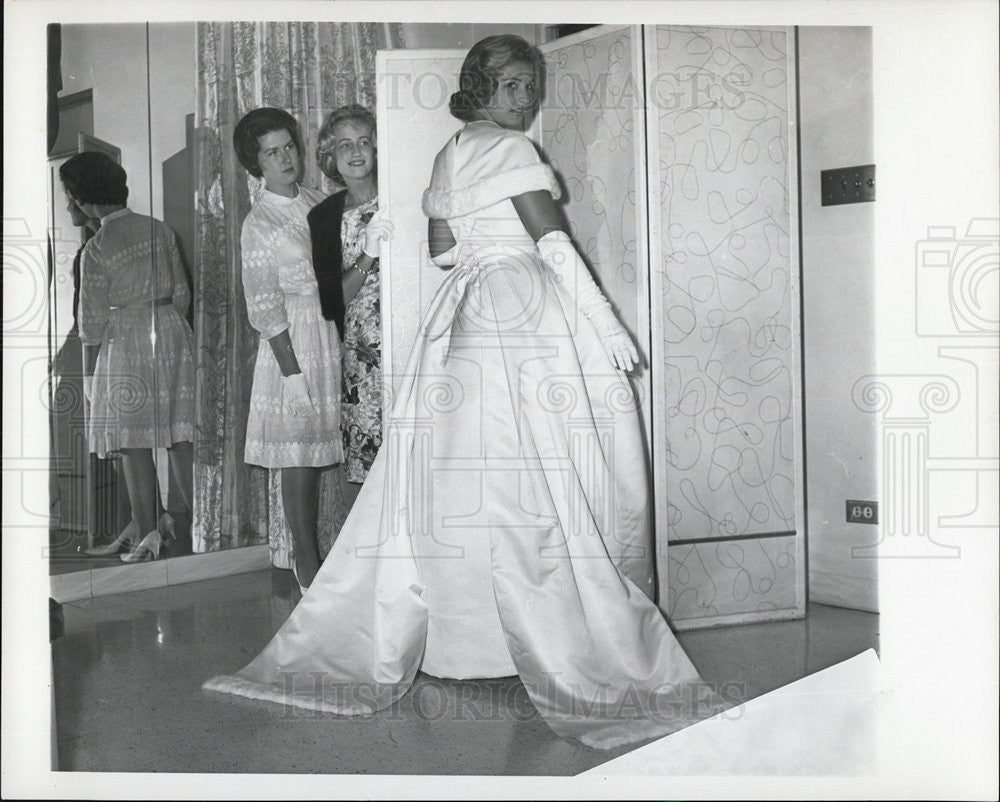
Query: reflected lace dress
x=504 y=527
x=133 y=288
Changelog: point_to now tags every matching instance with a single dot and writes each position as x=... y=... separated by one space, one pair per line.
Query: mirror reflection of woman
x=133 y=292
x=346 y=229
x=294 y=418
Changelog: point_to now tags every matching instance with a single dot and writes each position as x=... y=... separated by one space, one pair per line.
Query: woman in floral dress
x=345 y=230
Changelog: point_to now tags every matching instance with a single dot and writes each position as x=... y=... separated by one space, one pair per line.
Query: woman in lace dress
x=294 y=419
x=133 y=291
x=505 y=524
x=345 y=230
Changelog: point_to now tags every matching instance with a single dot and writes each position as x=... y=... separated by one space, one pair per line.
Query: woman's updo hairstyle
x=478 y=82
x=92 y=177
x=254 y=125
x=326 y=142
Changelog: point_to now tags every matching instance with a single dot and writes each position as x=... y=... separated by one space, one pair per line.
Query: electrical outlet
x=862 y=512
x=848 y=185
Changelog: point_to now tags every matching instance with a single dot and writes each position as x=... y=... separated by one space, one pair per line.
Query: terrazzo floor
x=129 y=667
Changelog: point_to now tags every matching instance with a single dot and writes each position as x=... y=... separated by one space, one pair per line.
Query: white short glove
x=296 y=394
x=378 y=229
x=561 y=257
x=88 y=389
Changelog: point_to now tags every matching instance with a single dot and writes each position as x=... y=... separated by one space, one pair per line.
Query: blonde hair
x=325 y=139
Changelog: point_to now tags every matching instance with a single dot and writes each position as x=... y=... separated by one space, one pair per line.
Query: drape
x=308 y=69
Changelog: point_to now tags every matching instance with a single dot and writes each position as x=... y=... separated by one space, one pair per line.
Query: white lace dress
x=281 y=293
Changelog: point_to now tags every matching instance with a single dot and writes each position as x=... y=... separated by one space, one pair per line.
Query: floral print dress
x=361 y=404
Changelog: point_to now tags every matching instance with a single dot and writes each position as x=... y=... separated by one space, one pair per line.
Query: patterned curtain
x=308 y=69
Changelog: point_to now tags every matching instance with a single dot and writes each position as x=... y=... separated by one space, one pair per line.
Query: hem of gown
x=630 y=733
x=240 y=686
x=303 y=463
x=637 y=730
x=467 y=677
x=322 y=460
x=612 y=736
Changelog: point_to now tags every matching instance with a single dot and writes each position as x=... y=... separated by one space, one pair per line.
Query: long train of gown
x=504 y=527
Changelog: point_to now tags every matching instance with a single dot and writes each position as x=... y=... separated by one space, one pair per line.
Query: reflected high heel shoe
x=166 y=527
x=148 y=549
x=125 y=539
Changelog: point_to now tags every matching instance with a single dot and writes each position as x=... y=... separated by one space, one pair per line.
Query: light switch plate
x=848 y=185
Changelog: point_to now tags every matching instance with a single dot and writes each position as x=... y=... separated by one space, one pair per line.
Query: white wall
x=173 y=61
x=838 y=281
x=425 y=36
x=111 y=61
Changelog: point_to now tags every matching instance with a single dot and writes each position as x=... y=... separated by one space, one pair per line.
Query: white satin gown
x=504 y=527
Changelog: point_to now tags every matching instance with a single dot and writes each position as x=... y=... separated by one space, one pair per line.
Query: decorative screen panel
x=725 y=309
x=590 y=127
x=728 y=577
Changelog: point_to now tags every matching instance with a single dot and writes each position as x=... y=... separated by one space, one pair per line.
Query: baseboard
x=195 y=567
x=757 y=617
x=159 y=573
x=843 y=590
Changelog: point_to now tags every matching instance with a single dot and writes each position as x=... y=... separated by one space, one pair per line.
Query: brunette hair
x=254 y=125
x=92 y=177
x=477 y=81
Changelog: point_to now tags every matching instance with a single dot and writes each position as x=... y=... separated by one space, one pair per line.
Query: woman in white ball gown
x=504 y=527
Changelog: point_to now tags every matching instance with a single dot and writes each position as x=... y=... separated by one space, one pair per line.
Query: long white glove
x=562 y=258
x=379 y=228
x=296 y=393
x=88 y=389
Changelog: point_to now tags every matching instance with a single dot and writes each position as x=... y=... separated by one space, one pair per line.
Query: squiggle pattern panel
x=730 y=577
x=587 y=121
x=721 y=98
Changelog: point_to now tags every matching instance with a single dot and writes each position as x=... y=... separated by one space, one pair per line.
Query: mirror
x=167 y=116
x=108 y=473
